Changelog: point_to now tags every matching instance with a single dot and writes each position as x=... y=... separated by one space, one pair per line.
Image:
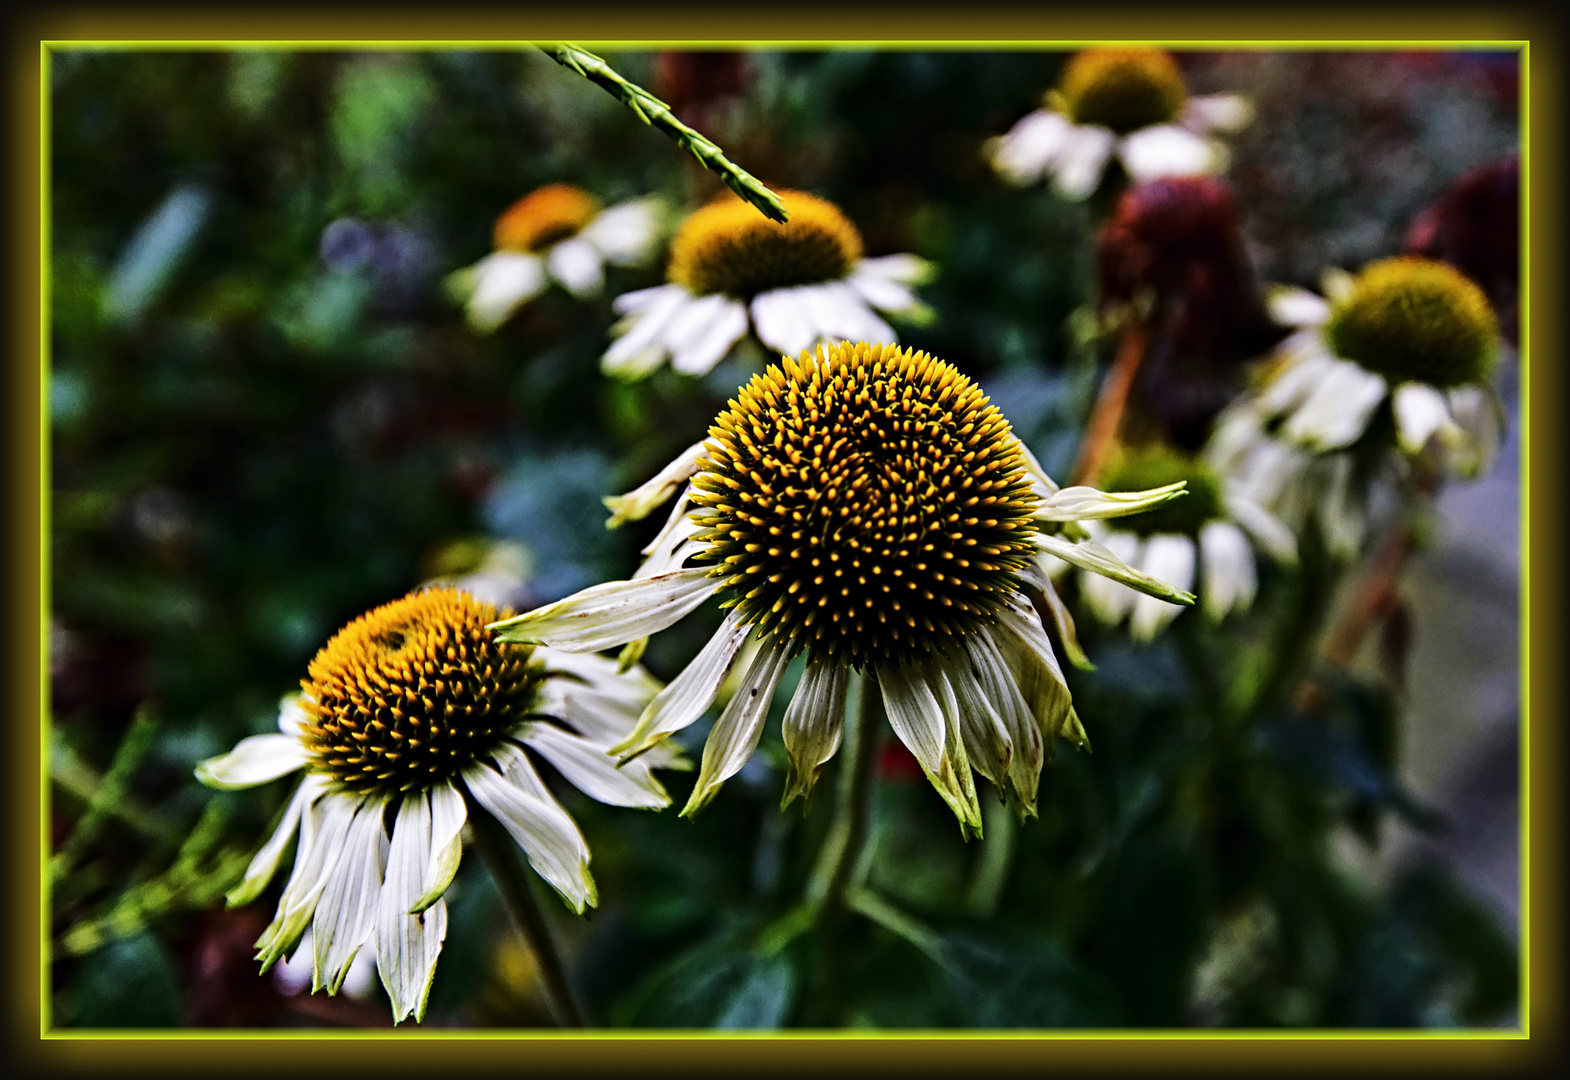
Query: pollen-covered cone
x=411 y=718
x=867 y=506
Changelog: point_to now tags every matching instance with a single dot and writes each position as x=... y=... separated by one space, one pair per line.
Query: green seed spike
x=654 y=112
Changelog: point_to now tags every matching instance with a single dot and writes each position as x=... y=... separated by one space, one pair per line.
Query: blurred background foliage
x=267 y=417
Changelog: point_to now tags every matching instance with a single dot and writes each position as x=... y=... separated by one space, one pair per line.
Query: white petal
x=837 y=312
x=1169 y=150
x=592 y=771
x=292 y=717
x=346 y=913
x=265 y=863
x=879 y=292
x=1023 y=154
x=640 y=300
x=254 y=760
x=613 y=613
x=448 y=815
x=690 y=693
x=503 y=282
x=1266 y=529
x=1107 y=599
x=520 y=801
x=1291 y=306
x=1338 y=409
x=1088 y=555
x=1305 y=364
x=814 y=725
x=998 y=684
x=1169 y=558
x=923 y=724
x=726 y=325
x=636 y=504
x=577 y=265
x=736 y=732
x=324 y=826
x=641 y=343
x=1087 y=503
x=779 y=318
x=904 y=269
x=1420 y=412
x=625 y=234
x=1228 y=567
x=1062 y=621
x=1216 y=112
x=1082 y=159
x=407 y=945
x=1337 y=284
x=1340 y=515
x=1042 y=484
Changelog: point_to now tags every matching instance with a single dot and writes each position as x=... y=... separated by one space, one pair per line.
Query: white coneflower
x=1128 y=102
x=793 y=285
x=1409 y=331
x=1208 y=533
x=868 y=506
x=411 y=712
x=557 y=232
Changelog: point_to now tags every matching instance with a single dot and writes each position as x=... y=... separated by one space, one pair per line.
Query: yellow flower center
x=1123 y=89
x=409 y=694
x=867 y=502
x=1157 y=466
x=728 y=247
x=1413 y=319
x=544 y=217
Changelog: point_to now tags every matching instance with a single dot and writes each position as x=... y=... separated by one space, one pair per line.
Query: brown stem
x=1107 y=417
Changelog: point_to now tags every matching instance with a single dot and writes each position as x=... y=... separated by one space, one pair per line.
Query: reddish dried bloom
x=1475 y=226
x=694 y=84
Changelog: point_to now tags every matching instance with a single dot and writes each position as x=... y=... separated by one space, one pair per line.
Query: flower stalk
x=512 y=881
x=654 y=112
x=1106 y=417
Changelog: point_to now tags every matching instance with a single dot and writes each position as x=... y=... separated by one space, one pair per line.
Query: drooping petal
x=346 y=914
x=814 y=725
x=407 y=945
x=1267 y=530
x=921 y=723
x=885 y=283
x=1304 y=362
x=636 y=504
x=1024 y=645
x=1227 y=565
x=1062 y=620
x=1337 y=285
x=689 y=693
x=1169 y=150
x=1023 y=154
x=1289 y=305
x=1420 y=412
x=1479 y=427
x=265 y=863
x=988 y=746
x=1089 y=504
x=736 y=732
x=324 y=828
x=625 y=234
x=616 y=612
x=254 y=760
x=697 y=355
x=592 y=771
x=836 y=312
x=502 y=283
x=1082 y=159
x=779 y=317
x=1341 y=516
x=448 y=813
x=292 y=717
x=1042 y=484
x=1171 y=558
x=997 y=683
x=1216 y=112
x=1337 y=411
x=521 y=802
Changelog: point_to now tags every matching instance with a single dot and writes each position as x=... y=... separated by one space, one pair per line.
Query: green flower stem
x=923 y=937
x=512 y=881
x=110 y=795
x=842 y=847
x=654 y=112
